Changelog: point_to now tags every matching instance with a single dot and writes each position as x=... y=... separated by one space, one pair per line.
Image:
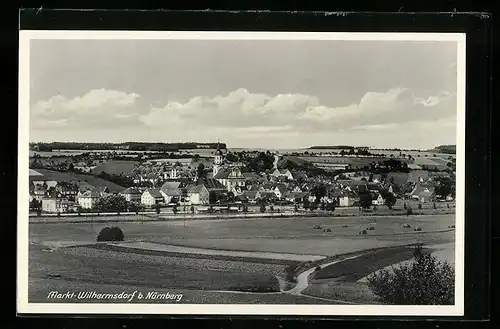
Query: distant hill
x=131 y=146
x=82 y=180
x=446 y=149
x=332 y=147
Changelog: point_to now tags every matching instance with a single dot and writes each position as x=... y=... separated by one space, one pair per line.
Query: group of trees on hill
x=120 y=179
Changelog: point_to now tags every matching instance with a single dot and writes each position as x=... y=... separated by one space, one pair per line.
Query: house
x=67 y=190
x=198 y=195
x=298 y=175
x=418 y=176
x=212 y=184
x=377 y=199
x=348 y=199
x=426 y=196
x=39 y=192
x=241 y=199
x=151 y=197
x=57 y=205
x=250 y=195
x=267 y=196
x=170 y=195
x=280 y=190
x=230 y=178
x=282 y=173
x=422 y=192
x=296 y=197
x=252 y=177
x=88 y=198
x=171 y=185
x=132 y=194
x=343 y=197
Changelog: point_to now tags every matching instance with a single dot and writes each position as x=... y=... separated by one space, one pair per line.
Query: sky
x=246 y=93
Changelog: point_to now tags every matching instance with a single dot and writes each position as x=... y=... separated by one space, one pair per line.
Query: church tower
x=217 y=160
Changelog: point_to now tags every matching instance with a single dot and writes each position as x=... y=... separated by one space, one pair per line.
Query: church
x=228 y=175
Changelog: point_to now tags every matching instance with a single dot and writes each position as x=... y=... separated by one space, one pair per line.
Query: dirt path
x=303 y=278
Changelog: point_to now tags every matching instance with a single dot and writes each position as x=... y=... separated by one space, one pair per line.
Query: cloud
x=97 y=108
x=247 y=111
x=394 y=118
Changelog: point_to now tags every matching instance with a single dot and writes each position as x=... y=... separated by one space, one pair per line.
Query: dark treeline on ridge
x=132 y=146
x=335 y=147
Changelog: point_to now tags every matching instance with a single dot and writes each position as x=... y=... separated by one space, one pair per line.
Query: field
x=51 y=175
x=66 y=255
x=116 y=167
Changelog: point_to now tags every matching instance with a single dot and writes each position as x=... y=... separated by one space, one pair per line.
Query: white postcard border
x=24 y=307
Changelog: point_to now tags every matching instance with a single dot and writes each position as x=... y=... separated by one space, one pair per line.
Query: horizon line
x=249 y=147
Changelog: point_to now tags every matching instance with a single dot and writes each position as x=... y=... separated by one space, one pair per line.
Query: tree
x=330 y=206
x=444 y=188
x=424 y=281
x=212 y=198
x=201 y=172
x=313 y=206
x=306 y=203
x=111 y=203
x=322 y=206
x=35 y=204
x=404 y=205
x=262 y=208
x=110 y=234
x=390 y=200
x=192 y=210
x=419 y=205
x=409 y=211
x=230 y=197
x=158 y=209
x=295 y=208
x=365 y=199
x=319 y=191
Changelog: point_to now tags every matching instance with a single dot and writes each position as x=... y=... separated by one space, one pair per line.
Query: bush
x=418 y=229
x=262 y=208
x=318 y=268
x=425 y=281
x=289 y=273
x=409 y=211
x=110 y=234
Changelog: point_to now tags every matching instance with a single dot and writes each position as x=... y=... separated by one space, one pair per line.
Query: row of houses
x=343 y=193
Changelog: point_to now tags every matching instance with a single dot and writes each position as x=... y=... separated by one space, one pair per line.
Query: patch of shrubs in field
x=110 y=234
x=424 y=281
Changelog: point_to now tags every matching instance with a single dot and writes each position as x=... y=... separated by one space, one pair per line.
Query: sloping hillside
x=446 y=149
x=115 y=167
x=79 y=179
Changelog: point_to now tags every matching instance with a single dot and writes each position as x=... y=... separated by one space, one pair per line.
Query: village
x=227 y=182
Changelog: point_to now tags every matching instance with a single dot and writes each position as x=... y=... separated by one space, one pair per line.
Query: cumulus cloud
x=244 y=110
x=98 y=107
x=250 y=118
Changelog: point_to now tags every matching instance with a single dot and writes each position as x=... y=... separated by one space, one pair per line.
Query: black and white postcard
x=252 y=173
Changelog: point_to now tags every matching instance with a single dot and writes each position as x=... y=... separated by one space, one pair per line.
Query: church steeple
x=217 y=159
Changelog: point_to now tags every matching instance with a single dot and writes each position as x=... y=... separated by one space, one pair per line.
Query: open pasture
x=288 y=235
